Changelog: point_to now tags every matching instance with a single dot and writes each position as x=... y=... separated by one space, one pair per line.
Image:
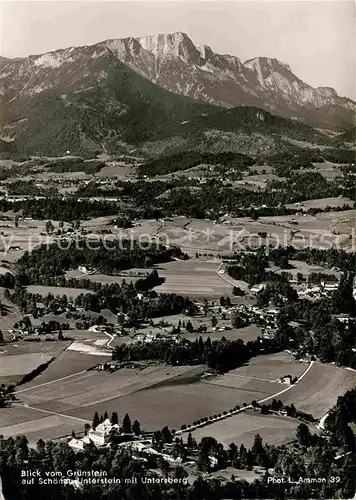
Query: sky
x=316 y=38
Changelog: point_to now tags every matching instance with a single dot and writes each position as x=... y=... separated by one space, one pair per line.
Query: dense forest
x=183 y=161
x=109 y=257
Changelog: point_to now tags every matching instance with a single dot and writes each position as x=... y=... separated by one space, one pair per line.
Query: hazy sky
x=317 y=38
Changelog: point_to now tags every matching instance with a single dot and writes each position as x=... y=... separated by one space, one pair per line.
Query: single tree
x=96 y=420
x=49 y=227
x=214 y=321
x=136 y=428
x=114 y=418
x=126 y=424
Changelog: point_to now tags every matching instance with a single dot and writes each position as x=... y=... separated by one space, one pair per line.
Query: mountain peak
x=265 y=63
x=165 y=44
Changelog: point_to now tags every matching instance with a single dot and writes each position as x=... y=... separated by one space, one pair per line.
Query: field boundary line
x=290 y=386
x=254 y=378
x=50 y=382
x=54 y=413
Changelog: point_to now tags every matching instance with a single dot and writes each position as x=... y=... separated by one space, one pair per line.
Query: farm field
x=258 y=380
x=196 y=235
x=327 y=169
x=318 y=391
x=66 y=364
x=92 y=388
x=17 y=240
x=306 y=269
x=56 y=290
x=171 y=405
x=323 y=203
x=318 y=231
x=242 y=428
x=194 y=277
x=270 y=367
x=24 y=347
x=21 y=364
x=91 y=347
x=53 y=408
x=41 y=426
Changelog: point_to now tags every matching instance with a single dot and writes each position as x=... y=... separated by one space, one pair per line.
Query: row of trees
x=221 y=355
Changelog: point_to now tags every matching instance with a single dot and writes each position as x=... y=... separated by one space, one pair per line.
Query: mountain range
x=158 y=92
x=174 y=62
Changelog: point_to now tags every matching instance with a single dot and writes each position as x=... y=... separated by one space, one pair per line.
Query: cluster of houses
x=151 y=336
x=317 y=291
x=107 y=433
x=100 y=436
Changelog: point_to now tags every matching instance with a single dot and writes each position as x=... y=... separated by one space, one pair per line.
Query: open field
x=119 y=171
x=171 y=405
x=165 y=395
x=15 y=357
x=52 y=409
x=91 y=347
x=327 y=169
x=194 y=277
x=306 y=269
x=41 y=426
x=95 y=387
x=157 y=395
x=21 y=347
x=67 y=363
x=242 y=428
x=16 y=241
x=322 y=203
x=56 y=290
x=22 y=363
x=206 y=236
x=318 y=391
x=270 y=367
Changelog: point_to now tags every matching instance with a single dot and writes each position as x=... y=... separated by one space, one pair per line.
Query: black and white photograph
x=177 y=250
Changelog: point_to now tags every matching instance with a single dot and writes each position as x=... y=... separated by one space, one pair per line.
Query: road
x=222 y=275
x=192 y=427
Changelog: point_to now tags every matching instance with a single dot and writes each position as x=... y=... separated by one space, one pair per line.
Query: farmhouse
x=328 y=287
x=257 y=288
x=343 y=318
x=79 y=444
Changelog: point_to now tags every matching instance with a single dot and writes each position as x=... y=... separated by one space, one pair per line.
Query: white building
x=100 y=436
x=257 y=288
x=79 y=444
